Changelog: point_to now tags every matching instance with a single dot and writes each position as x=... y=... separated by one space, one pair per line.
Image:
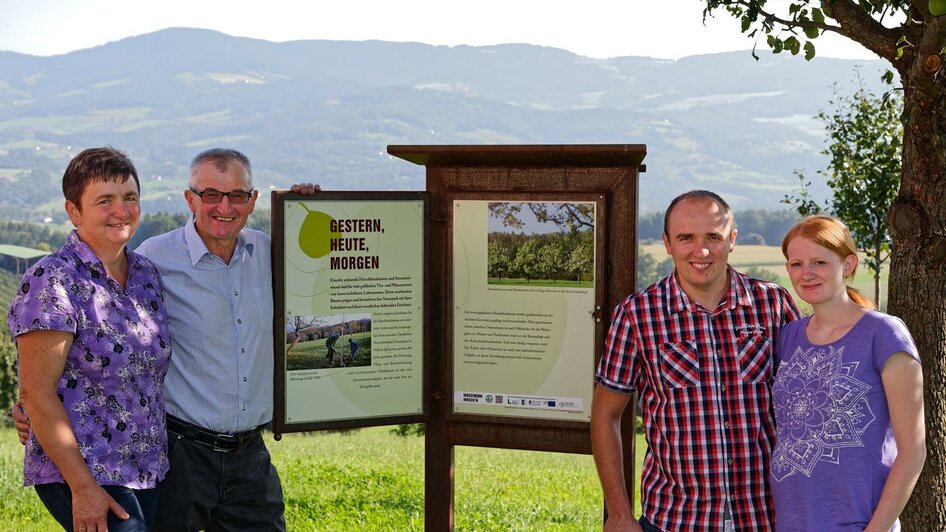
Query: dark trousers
x=215 y=491
x=141 y=505
x=647 y=526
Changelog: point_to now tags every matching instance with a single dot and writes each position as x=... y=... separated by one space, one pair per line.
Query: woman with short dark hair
x=93 y=345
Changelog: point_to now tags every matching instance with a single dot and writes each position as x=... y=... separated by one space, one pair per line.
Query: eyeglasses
x=212 y=196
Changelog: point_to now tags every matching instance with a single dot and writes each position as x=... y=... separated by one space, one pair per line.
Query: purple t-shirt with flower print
x=834 y=445
x=112 y=383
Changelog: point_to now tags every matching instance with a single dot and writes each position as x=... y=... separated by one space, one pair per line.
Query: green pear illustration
x=315 y=235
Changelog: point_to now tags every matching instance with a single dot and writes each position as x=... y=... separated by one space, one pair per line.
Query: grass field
x=771 y=259
x=539 y=282
x=370 y=479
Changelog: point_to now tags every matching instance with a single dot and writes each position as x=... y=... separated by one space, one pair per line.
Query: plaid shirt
x=703 y=380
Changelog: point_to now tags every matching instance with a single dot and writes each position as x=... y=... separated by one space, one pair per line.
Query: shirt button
x=240 y=322
x=236 y=293
x=726 y=424
x=244 y=379
x=730 y=461
x=243 y=350
x=723 y=387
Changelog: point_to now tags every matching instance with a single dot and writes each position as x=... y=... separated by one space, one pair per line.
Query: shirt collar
x=87 y=256
x=738 y=294
x=197 y=249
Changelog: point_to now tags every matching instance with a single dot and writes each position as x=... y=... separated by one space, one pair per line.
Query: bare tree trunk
x=877 y=249
x=877 y=287
x=918 y=276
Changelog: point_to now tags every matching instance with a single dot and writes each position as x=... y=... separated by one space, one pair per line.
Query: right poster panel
x=524 y=303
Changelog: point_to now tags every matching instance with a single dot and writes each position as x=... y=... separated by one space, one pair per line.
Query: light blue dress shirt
x=221 y=321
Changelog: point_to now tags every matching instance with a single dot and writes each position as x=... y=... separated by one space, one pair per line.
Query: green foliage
x=414 y=429
x=581 y=259
x=19 y=195
x=554 y=256
x=155 y=224
x=9 y=283
x=8 y=380
x=762 y=273
x=8 y=376
x=801 y=200
x=751 y=239
x=650 y=225
x=865 y=139
x=649 y=271
x=30 y=235
x=499 y=258
x=784 y=23
x=566 y=254
x=864 y=172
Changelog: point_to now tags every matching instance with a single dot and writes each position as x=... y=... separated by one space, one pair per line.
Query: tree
x=911 y=36
x=8 y=378
x=581 y=259
x=551 y=260
x=751 y=239
x=498 y=258
x=155 y=224
x=649 y=271
x=646 y=269
x=526 y=261
x=865 y=145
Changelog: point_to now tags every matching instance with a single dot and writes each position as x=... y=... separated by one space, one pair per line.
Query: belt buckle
x=226 y=443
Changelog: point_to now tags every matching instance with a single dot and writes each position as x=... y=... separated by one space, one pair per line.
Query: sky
x=667 y=29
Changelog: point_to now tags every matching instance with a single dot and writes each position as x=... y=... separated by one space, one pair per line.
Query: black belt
x=220 y=442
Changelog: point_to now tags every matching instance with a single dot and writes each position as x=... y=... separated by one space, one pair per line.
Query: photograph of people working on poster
x=335 y=341
x=524 y=304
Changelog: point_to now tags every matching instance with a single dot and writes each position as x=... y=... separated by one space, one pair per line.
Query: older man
x=219 y=388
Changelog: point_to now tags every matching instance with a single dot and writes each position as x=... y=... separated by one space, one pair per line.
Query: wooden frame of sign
x=479 y=337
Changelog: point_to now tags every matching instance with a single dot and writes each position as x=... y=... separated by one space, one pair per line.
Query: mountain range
x=325 y=111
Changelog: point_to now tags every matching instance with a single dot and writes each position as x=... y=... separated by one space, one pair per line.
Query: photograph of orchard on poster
x=541 y=244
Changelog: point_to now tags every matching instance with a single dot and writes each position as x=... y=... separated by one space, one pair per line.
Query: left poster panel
x=350 y=335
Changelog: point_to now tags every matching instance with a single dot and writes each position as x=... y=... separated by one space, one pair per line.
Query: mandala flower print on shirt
x=820 y=408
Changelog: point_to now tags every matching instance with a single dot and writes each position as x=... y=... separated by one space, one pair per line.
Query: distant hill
x=326 y=110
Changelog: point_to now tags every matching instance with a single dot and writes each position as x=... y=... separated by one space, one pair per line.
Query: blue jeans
x=141 y=505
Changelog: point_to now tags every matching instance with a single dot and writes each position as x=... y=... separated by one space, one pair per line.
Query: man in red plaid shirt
x=697 y=348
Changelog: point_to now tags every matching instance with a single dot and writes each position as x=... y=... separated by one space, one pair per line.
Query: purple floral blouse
x=112 y=383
